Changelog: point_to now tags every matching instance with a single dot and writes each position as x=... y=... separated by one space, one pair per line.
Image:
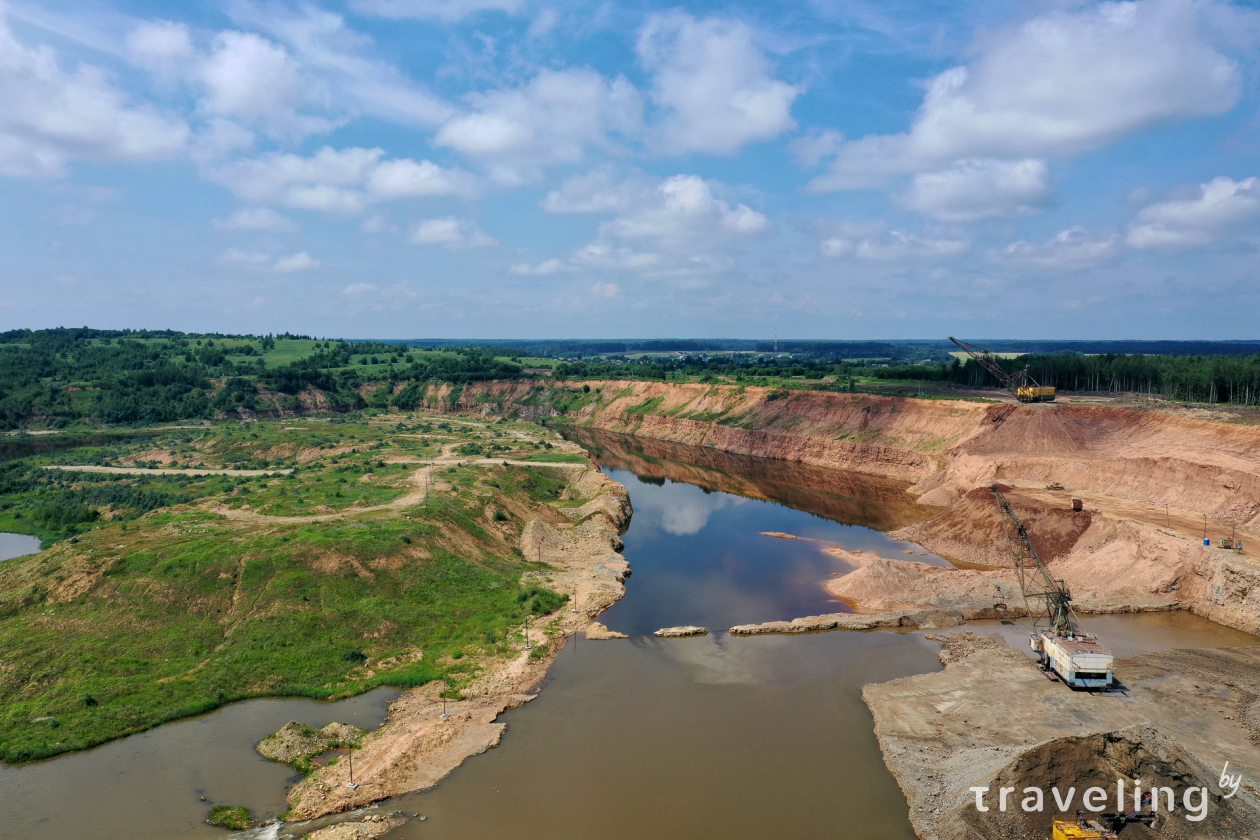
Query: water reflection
x=879 y=503
x=702 y=557
x=674 y=509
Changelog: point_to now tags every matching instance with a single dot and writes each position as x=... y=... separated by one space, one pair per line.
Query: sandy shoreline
x=416 y=747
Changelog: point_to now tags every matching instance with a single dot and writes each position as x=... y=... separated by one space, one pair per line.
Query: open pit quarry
x=1152 y=478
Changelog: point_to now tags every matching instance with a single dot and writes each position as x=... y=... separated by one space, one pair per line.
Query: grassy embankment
x=137 y=616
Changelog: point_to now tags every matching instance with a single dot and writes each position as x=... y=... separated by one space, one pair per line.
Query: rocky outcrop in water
x=913 y=619
x=367 y=828
x=680 y=632
x=597 y=631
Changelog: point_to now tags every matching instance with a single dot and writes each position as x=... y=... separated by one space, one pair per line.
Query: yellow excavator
x=1081 y=829
x=1020 y=383
x=1104 y=827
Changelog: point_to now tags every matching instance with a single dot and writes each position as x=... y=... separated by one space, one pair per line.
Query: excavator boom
x=1020 y=383
x=1075 y=656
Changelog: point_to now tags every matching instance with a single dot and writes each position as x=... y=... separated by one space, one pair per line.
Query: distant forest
x=1209 y=379
x=58 y=377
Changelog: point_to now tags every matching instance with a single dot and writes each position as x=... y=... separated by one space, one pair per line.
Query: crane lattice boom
x=1020 y=383
x=1035 y=582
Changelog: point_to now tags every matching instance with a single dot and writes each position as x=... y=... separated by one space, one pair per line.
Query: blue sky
x=518 y=168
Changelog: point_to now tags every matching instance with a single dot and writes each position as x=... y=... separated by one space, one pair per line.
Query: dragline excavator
x=1076 y=657
x=1020 y=383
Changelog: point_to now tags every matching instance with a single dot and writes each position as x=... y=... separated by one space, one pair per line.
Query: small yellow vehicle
x=1081 y=829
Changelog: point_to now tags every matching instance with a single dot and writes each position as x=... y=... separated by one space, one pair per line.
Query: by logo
x=1229 y=783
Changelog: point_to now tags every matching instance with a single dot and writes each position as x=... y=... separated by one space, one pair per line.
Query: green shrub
x=539 y=601
x=233 y=818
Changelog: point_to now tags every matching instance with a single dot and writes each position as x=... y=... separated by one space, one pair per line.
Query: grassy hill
x=165 y=595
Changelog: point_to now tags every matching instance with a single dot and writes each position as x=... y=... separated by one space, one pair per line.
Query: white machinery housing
x=1078 y=659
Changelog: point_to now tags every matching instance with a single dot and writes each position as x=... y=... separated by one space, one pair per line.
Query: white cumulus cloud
x=301 y=261
x=873 y=241
x=341 y=181
x=246 y=75
x=554 y=118
x=1061 y=83
x=1071 y=249
x=406 y=178
x=338 y=65
x=256 y=218
x=451 y=233
x=1222 y=206
x=979 y=189
x=446 y=10
x=675 y=225
x=261 y=261
x=160 y=46
x=683 y=209
x=714 y=84
x=49 y=117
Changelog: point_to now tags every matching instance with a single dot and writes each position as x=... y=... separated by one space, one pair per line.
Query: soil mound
x=1098 y=760
x=296 y=742
x=992 y=719
x=880 y=585
x=972 y=529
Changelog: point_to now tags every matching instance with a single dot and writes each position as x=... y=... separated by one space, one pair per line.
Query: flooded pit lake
x=718 y=736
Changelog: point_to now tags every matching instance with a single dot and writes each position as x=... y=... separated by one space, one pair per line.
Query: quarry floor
x=991 y=718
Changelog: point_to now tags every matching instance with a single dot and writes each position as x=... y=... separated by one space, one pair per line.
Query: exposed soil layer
x=972 y=528
x=991 y=719
x=1197 y=461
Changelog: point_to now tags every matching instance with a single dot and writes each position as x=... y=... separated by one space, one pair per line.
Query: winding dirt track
x=146 y=471
x=421 y=479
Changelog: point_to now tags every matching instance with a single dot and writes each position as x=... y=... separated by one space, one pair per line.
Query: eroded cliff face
x=1151 y=480
x=945 y=447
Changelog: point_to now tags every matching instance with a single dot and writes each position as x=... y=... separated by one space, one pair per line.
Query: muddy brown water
x=716 y=736
x=149 y=786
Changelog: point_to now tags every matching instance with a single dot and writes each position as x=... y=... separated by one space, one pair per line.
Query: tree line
x=1198 y=378
x=57 y=377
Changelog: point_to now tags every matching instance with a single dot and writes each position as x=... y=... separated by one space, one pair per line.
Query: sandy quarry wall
x=946 y=447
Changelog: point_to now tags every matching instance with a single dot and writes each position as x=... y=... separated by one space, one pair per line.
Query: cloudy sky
x=525 y=168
